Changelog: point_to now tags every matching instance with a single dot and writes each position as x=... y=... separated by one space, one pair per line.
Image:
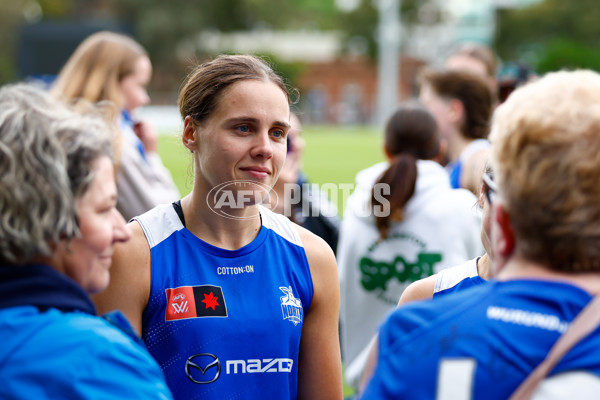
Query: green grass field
x=178 y=160
x=332 y=155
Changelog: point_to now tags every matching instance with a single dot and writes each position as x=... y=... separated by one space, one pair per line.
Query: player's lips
x=257 y=172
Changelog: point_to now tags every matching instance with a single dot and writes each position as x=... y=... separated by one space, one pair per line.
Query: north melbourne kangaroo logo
x=291 y=306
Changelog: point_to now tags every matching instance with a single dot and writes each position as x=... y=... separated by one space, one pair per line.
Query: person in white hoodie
x=402 y=223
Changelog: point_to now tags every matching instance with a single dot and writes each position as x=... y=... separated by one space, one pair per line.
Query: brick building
x=345 y=90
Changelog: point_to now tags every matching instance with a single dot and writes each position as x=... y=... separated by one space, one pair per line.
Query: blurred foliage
x=289 y=71
x=564 y=53
x=361 y=28
x=551 y=34
x=360 y=25
x=169 y=29
x=56 y=8
x=11 y=16
x=16 y=13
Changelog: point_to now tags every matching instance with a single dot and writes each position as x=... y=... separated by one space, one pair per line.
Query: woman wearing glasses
x=460 y=277
x=402 y=223
x=482 y=343
x=471 y=273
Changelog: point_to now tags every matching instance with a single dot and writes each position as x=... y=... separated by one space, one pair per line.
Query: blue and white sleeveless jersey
x=226 y=324
x=481 y=343
x=454 y=169
x=457 y=278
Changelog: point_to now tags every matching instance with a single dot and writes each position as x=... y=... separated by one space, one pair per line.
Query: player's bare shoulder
x=129 y=287
x=317 y=250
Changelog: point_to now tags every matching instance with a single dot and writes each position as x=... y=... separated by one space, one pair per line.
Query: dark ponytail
x=411 y=134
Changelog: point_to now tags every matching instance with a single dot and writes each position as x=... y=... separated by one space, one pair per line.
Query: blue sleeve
x=86 y=357
x=415 y=336
x=403 y=321
x=455 y=169
x=119 y=367
x=122 y=369
x=398 y=327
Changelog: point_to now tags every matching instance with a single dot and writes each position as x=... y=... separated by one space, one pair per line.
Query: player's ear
x=388 y=153
x=190 y=134
x=503 y=237
x=481 y=197
x=456 y=111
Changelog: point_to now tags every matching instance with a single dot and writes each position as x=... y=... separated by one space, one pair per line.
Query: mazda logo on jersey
x=186 y=302
x=197 y=373
x=206 y=367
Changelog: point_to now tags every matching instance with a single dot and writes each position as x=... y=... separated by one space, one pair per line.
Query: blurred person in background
x=300 y=200
x=473 y=272
x=112 y=67
x=58 y=229
x=450 y=280
x=402 y=223
x=513 y=75
x=481 y=343
x=462 y=105
x=232 y=299
x=478 y=59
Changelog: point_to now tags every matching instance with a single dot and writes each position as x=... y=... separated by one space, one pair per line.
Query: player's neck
x=518 y=268
x=483 y=267
x=456 y=146
x=229 y=232
x=277 y=199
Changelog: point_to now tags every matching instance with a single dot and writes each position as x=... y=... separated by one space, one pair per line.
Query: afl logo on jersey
x=291 y=306
x=186 y=302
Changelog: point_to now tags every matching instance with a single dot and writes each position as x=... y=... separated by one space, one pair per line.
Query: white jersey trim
x=473 y=147
x=578 y=385
x=280 y=224
x=159 y=223
x=450 y=277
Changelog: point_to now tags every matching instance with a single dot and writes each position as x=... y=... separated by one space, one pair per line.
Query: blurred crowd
x=464 y=266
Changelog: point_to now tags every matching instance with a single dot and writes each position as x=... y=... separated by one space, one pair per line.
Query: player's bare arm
x=320 y=369
x=129 y=286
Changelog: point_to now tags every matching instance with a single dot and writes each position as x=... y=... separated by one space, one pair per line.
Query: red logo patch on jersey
x=195 y=302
